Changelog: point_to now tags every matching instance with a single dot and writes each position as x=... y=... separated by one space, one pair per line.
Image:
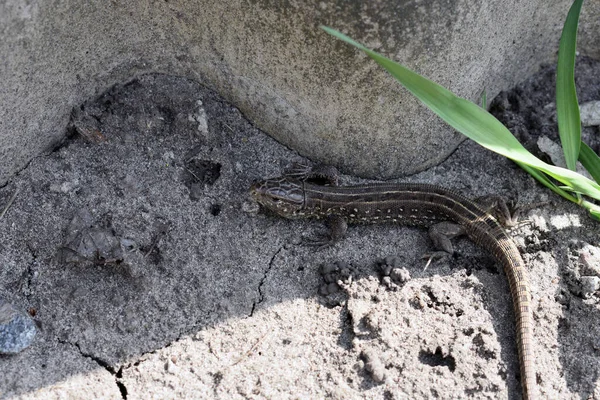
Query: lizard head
x=284 y=196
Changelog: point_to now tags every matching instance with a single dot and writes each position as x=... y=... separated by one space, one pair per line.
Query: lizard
x=446 y=212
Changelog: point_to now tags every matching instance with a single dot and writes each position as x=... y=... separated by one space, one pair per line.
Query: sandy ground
x=152 y=274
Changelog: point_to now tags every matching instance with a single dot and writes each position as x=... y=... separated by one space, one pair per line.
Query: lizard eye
x=286 y=196
x=278 y=193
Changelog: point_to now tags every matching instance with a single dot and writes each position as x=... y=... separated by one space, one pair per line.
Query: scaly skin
x=416 y=205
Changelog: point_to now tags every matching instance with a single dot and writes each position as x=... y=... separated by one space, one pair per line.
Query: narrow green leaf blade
x=594 y=209
x=590 y=160
x=473 y=121
x=567 y=107
x=544 y=180
x=595 y=214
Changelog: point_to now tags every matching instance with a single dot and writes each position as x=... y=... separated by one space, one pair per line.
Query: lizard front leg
x=337 y=227
x=441 y=235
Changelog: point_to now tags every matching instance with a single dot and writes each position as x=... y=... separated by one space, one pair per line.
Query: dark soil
x=152 y=274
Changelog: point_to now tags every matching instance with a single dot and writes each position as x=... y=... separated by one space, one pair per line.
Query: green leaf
x=483 y=99
x=590 y=161
x=567 y=107
x=544 y=180
x=473 y=121
x=595 y=214
x=594 y=209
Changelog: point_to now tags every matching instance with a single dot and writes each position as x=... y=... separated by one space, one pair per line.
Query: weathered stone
x=305 y=88
x=17 y=329
x=590 y=113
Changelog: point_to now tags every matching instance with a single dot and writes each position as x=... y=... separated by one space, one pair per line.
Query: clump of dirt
x=529 y=109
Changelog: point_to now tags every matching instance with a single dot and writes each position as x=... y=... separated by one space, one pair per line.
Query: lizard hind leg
x=507 y=214
x=441 y=235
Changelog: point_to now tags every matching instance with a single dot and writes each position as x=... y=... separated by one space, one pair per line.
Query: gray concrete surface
x=311 y=92
x=204 y=297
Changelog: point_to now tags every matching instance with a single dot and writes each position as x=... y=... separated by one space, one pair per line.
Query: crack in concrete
x=118 y=374
x=55 y=146
x=261 y=295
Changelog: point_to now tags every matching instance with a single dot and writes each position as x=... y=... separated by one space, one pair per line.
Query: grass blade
x=483 y=100
x=590 y=161
x=544 y=180
x=595 y=214
x=567 y=107
x=473 y=121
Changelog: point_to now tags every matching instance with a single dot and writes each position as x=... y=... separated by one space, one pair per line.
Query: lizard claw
x=319 y=242
x=436 y=255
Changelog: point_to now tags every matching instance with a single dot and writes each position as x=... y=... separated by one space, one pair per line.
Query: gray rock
x=17 y=329
x=552 y=150
x=589 y=285
x=590 y=113
x=308 y=90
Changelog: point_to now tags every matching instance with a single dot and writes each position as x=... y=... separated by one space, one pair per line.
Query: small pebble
x=387 y=282
x=589 y=285
x=326 y=290
x=590 y=113
x=374 y=366
x=400 y=275
x=335 y=274
x=589 y=257
x=17 y=329
x=201 y=118
x=387 y=264
x=171 y=368
x=552 y=150
x=390 y=269
x=128 y=244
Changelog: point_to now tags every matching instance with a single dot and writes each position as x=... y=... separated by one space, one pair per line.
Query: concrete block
x=306 y=89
